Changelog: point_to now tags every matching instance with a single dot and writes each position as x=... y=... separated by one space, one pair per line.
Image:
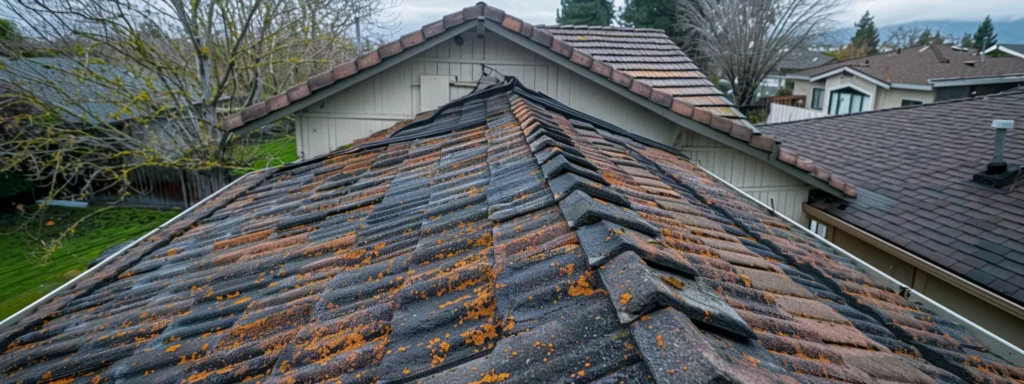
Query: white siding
x=394 y=95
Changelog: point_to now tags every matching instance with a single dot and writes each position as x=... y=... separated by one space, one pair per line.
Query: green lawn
x=25 y=277
x=272 y=153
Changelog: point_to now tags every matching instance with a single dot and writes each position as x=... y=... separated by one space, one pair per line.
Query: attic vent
x=970 y=63
x=959 y=48
x=999 y=174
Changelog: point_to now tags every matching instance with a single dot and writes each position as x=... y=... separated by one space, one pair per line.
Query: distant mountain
x=1010 y=32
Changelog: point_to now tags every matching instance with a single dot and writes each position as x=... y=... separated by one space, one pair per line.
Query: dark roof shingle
x=918 y=65
x=503 y=238
x=919 y=162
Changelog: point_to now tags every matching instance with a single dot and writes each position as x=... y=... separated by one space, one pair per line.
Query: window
x=848 y=100
x=909 y=102
x=818 y=228
x=817 y=98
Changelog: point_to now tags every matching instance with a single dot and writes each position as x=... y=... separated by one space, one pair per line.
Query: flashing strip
x=996 y=344
x=42 y=300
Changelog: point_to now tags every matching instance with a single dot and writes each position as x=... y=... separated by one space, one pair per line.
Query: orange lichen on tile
x=625 y=298
x=583 y=286
x=241 y=240
x=492 y=377
x=481 y=335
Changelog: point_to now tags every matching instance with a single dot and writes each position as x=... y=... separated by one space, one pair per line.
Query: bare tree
x=127 y=84
x=903 y=36
x=746 y=39
x=133 y=83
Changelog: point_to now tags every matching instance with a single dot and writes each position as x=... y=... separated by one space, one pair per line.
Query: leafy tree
x=586 y=12
x=866 y=36
x=986 y=35
x=8 y=30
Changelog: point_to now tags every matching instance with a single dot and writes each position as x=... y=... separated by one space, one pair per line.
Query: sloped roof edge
x=737 y=134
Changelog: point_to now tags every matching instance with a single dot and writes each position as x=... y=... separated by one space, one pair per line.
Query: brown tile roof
x=917 y=65
x=496 y=240
x=684 y=92
x=647 y=55
x=917 y=164
x=629 y=53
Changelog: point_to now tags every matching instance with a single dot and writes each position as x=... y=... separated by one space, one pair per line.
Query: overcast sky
x=415 y=13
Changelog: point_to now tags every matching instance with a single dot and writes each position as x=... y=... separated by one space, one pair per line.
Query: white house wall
x=881 y=98
x=893 y=98
x=394 y=95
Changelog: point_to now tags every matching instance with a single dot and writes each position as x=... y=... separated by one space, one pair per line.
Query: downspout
x=59 y=290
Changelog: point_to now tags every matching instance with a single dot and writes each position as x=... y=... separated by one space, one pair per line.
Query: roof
x=803 y=59
x=1011 y=49
x=647 y=55
x=51 y=80
x=918 y=65
x=504 y=238
x=627 y=48
x=916 y=163
x=619 y=54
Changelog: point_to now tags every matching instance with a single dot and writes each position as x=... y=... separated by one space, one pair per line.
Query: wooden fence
x=792 y=101
x=163 y=187
x=783 y=114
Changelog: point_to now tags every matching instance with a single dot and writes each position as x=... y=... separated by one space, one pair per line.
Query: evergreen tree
x=660 y=14
x=586 y=12
x=925 y=38
x=986 y=35
x=967 y=40
x=866 y=38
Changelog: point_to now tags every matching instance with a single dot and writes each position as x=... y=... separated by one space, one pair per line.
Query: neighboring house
x=1008 y=49
x=909 y=76
x=796 y=61
x=634 y=78
x=506 y=238
x=52 y=80
x=919 y=215
x=87 y=100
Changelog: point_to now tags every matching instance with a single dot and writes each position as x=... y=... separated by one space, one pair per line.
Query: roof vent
x=999 y=174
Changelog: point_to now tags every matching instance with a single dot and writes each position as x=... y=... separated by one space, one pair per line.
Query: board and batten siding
x=394 y=95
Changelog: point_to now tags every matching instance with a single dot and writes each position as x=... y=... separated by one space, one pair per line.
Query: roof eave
x=1004 y=49
x=852 y=71
x=912 y=87
x=328 y=91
